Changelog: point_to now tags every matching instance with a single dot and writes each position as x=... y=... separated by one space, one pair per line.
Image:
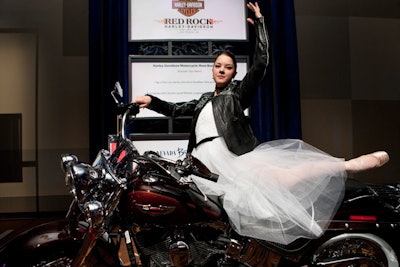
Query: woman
x=276 y=191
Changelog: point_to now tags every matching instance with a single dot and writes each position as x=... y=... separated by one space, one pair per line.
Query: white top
x=205 y=126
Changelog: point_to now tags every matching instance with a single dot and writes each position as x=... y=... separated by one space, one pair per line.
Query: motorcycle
x=143 y=210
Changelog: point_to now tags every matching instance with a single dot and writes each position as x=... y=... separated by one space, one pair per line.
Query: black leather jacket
x=228 y=106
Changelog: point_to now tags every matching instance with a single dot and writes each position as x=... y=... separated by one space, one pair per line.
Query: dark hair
x=229 y=54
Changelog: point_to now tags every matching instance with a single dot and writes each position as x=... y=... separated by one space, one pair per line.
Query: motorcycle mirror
x=117 y=90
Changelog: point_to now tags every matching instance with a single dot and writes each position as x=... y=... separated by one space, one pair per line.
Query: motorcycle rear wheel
x=355 y=250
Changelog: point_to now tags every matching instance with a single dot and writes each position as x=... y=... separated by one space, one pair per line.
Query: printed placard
x=174 y=79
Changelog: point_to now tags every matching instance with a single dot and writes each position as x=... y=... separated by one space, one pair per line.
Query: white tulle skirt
x=281 y=191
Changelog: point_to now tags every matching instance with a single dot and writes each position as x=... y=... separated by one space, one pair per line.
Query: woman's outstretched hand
x=143 y=101
x=256 y=9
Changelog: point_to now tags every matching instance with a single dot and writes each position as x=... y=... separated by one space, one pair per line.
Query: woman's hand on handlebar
x=143 y=101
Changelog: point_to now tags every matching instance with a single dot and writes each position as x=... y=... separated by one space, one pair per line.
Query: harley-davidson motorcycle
x=132 y=209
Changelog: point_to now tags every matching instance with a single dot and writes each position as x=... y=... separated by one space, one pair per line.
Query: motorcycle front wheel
x=355 y=250
x=62 y=255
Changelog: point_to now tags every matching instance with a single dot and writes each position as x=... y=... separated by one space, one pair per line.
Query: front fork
x=89 y=242
x=90 y=239
x=127 y=250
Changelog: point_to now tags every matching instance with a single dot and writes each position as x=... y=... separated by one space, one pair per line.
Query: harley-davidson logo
x=188 y=7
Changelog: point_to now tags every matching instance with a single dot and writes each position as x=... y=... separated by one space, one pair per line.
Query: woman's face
x=223 y=70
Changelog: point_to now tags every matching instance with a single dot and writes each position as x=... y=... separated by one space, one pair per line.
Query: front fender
x=54 y=232
x=60 y=239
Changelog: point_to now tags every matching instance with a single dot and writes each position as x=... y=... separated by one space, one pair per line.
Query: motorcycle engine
x=197 y=246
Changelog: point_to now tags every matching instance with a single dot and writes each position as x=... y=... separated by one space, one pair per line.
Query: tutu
x=280 y=191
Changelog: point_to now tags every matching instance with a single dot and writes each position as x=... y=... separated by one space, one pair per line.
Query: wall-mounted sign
x=159 y=20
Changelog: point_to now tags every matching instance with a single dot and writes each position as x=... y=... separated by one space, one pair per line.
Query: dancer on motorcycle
x=277 y=191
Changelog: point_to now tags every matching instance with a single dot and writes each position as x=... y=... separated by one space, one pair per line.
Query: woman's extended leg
x=303 y=172
x=366 y=162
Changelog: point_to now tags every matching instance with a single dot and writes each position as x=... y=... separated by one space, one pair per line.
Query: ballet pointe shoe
x=366 y=162
x=382 y=157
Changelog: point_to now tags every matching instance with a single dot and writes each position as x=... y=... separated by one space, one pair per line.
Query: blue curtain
x=108 y=63
x=275 y=112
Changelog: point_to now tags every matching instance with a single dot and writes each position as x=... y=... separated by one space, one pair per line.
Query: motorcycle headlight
x=96 y=188
x=80 y=179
